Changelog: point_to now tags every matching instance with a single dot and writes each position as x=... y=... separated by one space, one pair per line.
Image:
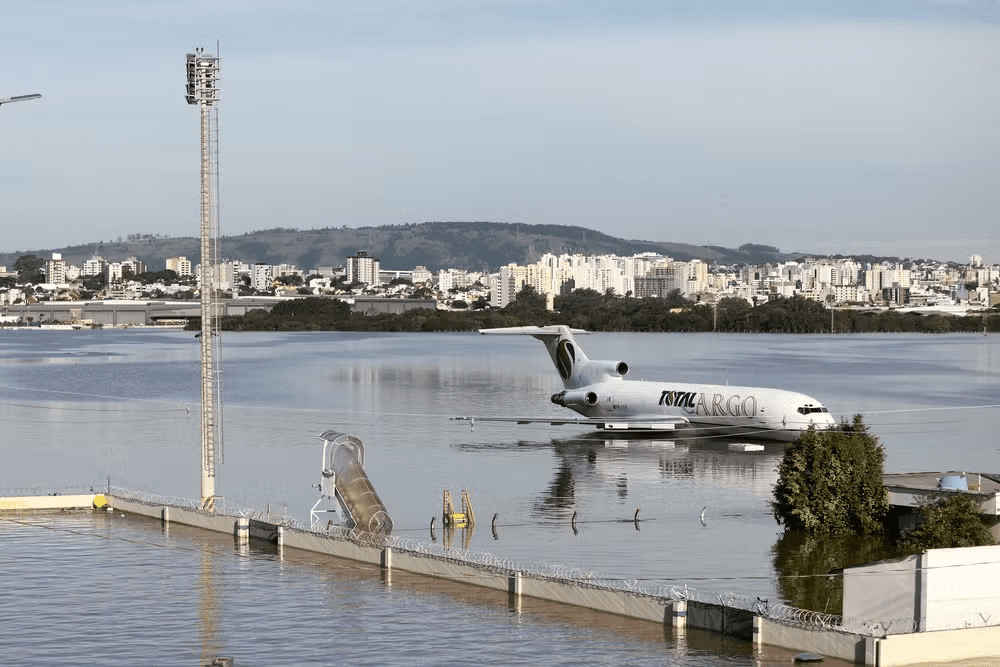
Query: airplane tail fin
x=575 y=368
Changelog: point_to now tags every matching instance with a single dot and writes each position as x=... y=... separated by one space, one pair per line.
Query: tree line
x=591 y=310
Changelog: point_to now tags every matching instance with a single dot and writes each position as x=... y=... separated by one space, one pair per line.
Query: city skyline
x=832 y=129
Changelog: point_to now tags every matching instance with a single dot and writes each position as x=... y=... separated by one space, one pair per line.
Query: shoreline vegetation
x=593 y=311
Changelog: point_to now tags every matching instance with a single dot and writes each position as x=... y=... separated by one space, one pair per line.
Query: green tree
x=292 y=280
x=734 y=314
x=29 y=269
x=528 y=304
x=166 y=276
x=831 y=482
x=950 y=521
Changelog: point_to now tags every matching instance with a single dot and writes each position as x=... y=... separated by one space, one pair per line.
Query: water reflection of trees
x=560 y=494
x=615 y=463
x=803 y=563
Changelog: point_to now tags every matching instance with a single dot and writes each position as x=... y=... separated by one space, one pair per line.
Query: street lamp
x=8 y=100
x=19 y=98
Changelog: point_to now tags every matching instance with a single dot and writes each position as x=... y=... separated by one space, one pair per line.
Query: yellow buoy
x=100 y=502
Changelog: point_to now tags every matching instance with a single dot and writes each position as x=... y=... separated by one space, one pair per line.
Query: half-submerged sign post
x=203 y=90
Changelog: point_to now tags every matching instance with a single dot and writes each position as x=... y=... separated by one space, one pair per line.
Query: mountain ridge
x=476 y=246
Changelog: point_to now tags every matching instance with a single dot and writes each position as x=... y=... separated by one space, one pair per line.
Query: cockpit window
x=805 y=410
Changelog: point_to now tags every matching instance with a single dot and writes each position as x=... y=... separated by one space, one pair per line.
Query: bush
x=950 y=521
x=831 y=482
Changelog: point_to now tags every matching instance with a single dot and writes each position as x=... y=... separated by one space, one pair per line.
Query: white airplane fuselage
x=713 y=409
x=597 y=391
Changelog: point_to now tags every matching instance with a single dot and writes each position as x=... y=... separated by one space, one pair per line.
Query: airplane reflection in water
x=623 y=461
x=597 y=390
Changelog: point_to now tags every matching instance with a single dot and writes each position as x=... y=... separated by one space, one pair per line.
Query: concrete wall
x=913 y=648
x=962 y=588
x=939 y=647
x=843 y=645
x=941 y=589
x=17 y=503
x=884 y=591
x=729 y=621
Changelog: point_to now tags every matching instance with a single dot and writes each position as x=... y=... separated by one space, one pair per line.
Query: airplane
x=604 y=399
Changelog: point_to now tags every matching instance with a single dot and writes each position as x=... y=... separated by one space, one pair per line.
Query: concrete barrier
x=18 y=503
x=937 y=647
x=679 y=614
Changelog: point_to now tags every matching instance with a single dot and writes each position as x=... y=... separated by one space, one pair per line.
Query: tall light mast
x=203 y=90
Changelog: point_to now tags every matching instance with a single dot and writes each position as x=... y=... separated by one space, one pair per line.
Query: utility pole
x=203 y=91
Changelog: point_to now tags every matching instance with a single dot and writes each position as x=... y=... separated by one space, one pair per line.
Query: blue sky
x=826 y=127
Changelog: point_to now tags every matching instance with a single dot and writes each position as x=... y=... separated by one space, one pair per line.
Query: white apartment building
x=697 y=277
x=135 y=265
x=508 y=282
x=421 y=275
x=363 y=269
x=93 y=266
x=662 y=279
x=113 y=272
x=882 y=276
x=262 y=277
x=449 y=279
x=180 y=265
x=225 y=275
x=55 y=270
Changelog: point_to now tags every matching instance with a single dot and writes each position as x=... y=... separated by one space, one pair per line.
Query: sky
x=829 y=127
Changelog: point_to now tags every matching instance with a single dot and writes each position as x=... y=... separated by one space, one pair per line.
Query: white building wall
x=941 y=589
x=509 y=281
x=113 y=272
x=180 y=265
x=262 y=277
x=55 y=270
x=363 y=269
x=93 y=266
x=421 y=275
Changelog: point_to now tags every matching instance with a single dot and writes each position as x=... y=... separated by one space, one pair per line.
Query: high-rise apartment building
x=55 y=270
x=179 y=265
x=363 y=269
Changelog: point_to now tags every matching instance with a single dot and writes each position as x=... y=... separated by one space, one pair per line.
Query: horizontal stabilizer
x=533 y=331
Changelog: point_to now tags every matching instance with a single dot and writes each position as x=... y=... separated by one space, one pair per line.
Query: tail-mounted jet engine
x=580 y=398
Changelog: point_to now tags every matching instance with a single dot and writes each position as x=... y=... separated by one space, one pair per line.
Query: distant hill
x=479 y=246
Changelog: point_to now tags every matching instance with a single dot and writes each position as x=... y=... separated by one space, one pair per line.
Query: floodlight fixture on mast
x=203 y=91
x=19 y=98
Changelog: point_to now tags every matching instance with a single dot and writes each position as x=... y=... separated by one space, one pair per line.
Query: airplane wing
x=662 y=424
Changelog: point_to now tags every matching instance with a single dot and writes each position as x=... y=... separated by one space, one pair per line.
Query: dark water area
x=80 y=408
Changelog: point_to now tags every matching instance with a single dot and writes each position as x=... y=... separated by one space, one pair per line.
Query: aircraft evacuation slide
x=604 y=399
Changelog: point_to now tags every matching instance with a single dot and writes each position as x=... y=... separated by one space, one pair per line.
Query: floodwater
x=84 y=409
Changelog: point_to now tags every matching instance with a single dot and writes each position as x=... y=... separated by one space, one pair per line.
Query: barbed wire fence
x=565 y=574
